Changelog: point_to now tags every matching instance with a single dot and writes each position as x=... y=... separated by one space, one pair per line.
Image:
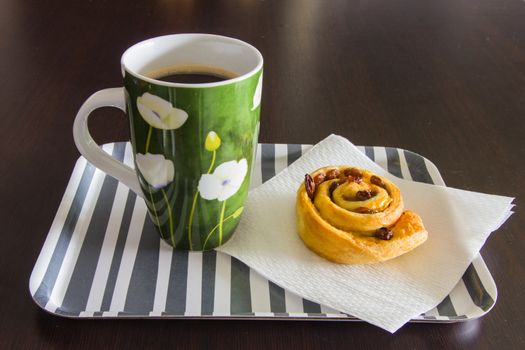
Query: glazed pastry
x=352 y=216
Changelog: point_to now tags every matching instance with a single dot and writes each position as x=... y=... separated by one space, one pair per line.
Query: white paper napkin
x=387 y=294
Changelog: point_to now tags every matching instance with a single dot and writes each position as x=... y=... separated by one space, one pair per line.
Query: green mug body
x=194 y=143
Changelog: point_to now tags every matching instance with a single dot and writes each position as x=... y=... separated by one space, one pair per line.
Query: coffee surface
x=191 y=78
x=195 y=74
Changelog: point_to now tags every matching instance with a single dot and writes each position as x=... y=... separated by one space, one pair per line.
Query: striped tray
x=102 y=257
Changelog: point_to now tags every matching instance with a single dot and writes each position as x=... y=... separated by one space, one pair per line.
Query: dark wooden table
x=445 y=79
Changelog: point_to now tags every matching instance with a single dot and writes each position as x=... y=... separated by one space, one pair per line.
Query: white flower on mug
x=156 y=170
x=160 y=113
x=225 y=180
x=258 y=93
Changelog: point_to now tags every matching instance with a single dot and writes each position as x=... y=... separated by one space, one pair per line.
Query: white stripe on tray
x=404 y=167
x=380 y=157
x=294 y=303
x=163 y=276
x=259 y=292
x=305 y=148
x=281 y=157
x=221 y=301
x=194 y=285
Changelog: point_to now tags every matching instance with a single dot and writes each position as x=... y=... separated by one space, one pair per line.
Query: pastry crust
x=341 y=228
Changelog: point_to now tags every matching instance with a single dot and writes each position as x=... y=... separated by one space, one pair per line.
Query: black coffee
x=195 y=74
x=192 y=78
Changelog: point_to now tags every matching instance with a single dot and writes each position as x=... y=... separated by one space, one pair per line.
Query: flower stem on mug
x=168 y=206
x=221 y=219
x=212 y=143
x=234 y=215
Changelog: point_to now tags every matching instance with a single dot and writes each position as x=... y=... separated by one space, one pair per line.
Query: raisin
x=332 y=174
x=310 y=185
x=319 y=178
x=384 y=233
x=353 y=172
x=376 y=180
x=363 y=195
x=333 y=186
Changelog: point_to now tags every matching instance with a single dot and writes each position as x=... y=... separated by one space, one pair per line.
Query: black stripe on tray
x=178 y=281
x=77 y=292
x=240 y=296
x=476 y=290
x=446 y=308
x=369 y=152
x=417 y=167
x=393 y=163
x=277 y=298
x=267 y=161
x=294 y=152
x=43 y=292
x=209 y=262
x=311 y=308
x=141 y=290
x=119 y=251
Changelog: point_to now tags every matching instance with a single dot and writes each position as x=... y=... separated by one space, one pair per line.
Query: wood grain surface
x=445 y=79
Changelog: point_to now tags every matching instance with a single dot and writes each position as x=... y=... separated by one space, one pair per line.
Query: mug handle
x=113 y=97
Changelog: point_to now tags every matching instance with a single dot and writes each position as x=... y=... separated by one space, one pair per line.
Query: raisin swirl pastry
x=352 y=216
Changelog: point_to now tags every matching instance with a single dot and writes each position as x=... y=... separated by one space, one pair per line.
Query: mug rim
x=241 y=77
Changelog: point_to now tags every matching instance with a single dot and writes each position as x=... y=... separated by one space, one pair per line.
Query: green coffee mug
x=193 y=143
